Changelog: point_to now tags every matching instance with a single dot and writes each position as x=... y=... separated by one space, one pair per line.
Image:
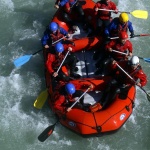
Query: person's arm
x=97 y=6
x=129 y=47
x=63 y=2
x=130 y=27
x=109 y=46
x=143 y=78
x=49 y=62
x=114 y=7
x=58 y=105
x=63 y=31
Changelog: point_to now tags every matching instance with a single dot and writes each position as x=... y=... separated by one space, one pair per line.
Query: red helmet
x=123 y=35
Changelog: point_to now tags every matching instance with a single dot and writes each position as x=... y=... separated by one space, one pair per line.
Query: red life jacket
x=120 y=27
x=56 y=36
x=58 y=60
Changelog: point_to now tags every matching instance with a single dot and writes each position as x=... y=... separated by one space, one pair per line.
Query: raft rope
x=98 y=128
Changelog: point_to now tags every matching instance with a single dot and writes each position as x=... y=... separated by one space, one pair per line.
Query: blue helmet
x=70 y=88
x=59 y=48
x=53 y=26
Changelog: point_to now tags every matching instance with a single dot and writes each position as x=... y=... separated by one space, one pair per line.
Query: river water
x=22 y=24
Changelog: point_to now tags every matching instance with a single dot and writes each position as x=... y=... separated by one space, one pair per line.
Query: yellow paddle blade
x=41 y=99
x=140 y=14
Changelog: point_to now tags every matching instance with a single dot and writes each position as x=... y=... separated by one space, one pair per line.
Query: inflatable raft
x=92 y=121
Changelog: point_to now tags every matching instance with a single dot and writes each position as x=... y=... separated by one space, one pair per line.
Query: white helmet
x=134 y=60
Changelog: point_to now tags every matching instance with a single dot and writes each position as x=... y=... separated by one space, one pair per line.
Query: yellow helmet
x=123 y=18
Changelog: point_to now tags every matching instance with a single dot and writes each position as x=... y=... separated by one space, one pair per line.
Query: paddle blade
x=147 y=59
x=22 y=60
x=41 y=99
x=140 y=14
x=46 y=133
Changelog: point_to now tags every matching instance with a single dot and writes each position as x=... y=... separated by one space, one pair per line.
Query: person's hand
x=56 y=6
x=68 y=109
x=138 y=84
x=114 y=62
x=91 y=86
x=68 y=35
x=46 y=46
x=70 y=49
x=55 y=74
x=130 y=54
x=116 y=11
x=132 y=35
x=110 y=49
x=96 y=9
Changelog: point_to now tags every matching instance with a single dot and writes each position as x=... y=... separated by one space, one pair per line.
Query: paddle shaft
x=52 y=44
x=138 y=35
x=79 y=98
x=114 y=11
x=62 y=62
x=148 y=96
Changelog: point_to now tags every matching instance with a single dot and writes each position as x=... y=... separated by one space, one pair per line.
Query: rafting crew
x=118 y=49
x=55 y=60
x=130 y=74
x=103 y=9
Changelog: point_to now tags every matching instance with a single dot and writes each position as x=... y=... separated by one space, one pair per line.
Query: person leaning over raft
x=121 y=83
x=66 y=96
x=103 y=17
x=54 y=61
x=69 y=7
x=52 y=34
x=118 y=24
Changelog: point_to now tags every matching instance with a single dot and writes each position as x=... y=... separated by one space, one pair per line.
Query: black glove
x=132 y=35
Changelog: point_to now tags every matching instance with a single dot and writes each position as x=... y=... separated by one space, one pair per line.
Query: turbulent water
x=21 y=26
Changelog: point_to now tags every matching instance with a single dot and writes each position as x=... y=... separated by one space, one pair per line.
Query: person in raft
x=65 y=97
x=118 y=49
x=118 y=24
x=52 y=34
x=121 y=83
x=66 y=94
x=70 y=7
x=55 y=60
x=102 y=11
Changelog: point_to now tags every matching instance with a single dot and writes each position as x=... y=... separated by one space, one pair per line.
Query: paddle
x=138 y=35
x=78 y=99
x=24 y=59
x=148 y=96
x=136 y=13
x=145 y=59
x=41 y=99
x=47 y=132
x=62 y=62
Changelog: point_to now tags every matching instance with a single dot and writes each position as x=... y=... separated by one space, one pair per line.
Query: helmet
x=123 y=18
x=134 y=60
x=59 y=48
x=70 y=88
x=123 y=35
x=53 y=26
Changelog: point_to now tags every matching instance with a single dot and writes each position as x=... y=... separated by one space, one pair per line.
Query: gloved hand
x=132 y=35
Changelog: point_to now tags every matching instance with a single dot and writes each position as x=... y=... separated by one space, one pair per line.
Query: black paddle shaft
x=37 y=52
